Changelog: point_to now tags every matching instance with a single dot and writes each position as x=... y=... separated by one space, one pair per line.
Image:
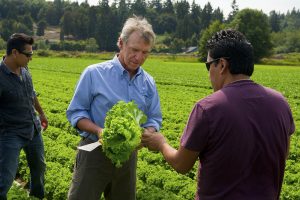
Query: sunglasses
x=212 y=61
x=27 y=54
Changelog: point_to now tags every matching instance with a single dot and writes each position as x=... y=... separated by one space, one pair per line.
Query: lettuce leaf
x=122 y=132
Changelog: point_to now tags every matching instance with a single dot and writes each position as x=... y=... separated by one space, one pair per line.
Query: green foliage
x=2 y=44
x=255 y=26
x=91 y=45
x=286 y=41
x=13 y=26
x=180 y=84
x=282 y=59
x=57 y=181
x=16 y=192
x=81 y=45
x=122 y=132
x=41 y=26
x=176 y=45
x=103 y=22
x=206 y=35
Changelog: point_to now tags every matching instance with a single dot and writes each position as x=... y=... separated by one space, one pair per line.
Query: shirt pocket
x=143 y=99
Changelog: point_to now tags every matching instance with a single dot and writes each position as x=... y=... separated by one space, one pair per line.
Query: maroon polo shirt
x=241 y=133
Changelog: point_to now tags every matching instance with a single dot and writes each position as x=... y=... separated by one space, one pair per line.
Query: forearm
x=182 y=160
x=170 y=155
x=37 y=106
x=88 y=126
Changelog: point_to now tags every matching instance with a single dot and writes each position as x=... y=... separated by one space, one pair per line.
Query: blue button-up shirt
x=102 y=85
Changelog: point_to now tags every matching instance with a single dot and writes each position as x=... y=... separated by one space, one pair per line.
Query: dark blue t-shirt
x=17 y=114
x=241 y=133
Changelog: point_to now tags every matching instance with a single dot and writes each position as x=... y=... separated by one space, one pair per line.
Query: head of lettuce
x=122 y=132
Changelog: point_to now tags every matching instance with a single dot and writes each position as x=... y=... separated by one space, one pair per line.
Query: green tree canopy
x=206 y=35
x=255 y=26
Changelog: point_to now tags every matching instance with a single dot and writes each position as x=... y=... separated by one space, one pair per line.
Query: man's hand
x=148 y=129
x=153 y=141
x=99 y=134
x=44 y=121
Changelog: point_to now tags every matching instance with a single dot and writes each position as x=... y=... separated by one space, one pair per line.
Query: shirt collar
x=121 y=69
x=5 y=68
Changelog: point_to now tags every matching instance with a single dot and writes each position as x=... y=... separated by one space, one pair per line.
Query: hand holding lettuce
x=122 y=132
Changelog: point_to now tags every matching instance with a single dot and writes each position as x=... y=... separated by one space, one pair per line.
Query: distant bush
x=2 y=44
x=89 y=45
x=44 y=53
x=285 y=42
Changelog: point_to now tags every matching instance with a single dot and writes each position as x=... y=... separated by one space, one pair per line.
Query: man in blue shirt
x=99 y=88
x=20 y=128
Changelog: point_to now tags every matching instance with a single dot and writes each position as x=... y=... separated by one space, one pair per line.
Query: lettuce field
x=180 y=86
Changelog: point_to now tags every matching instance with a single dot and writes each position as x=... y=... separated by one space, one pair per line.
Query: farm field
x=180 y=86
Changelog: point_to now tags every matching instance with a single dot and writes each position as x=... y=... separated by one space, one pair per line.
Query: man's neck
x=235 y=78
x=10 y=64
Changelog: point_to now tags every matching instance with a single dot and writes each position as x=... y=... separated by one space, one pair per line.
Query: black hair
x=18 y=41
x=234 y=45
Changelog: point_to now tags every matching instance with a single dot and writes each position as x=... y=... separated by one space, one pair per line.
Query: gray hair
x=137 y=24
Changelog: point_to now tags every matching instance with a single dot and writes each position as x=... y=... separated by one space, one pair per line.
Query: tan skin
x=182 y=160
x=134 y=52
x=14 y=62
x=132 y=55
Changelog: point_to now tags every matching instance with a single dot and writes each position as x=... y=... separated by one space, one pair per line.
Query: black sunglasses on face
x=212 y=61
x=27 y=54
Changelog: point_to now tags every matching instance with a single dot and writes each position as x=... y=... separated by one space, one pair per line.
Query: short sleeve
x=195 y=136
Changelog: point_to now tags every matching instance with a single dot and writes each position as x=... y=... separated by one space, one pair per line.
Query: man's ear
x=14 y=52
x=224 y=66
x=121 y=43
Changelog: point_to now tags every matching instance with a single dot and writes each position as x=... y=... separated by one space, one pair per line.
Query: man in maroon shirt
x=240 y=133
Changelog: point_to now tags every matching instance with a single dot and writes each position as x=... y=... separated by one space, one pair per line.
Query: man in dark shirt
x=240 y=133
x=20 y=127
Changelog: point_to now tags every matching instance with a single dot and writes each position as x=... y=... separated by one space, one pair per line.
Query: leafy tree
x=274 y=20
x=152 y=17
x=196 y=18
x=182 y=9
x=41 y=26
x=91 y=45
x=168 y=7
x=255 y=26
x=27 y=21
x=34 y=8
x=139 y=7
x=2 y=44
x=122 y=12
x=235 y=10
x=167 y=22
x=217 y=15
x=13 y=26
x=67 y=22
x=177 y=45
x=206 y=15
x=206 y=35
x=106 y=31
x=92 y=17
x=54 y=11
x=286 y=41
x=156 y=5
x=292 y=19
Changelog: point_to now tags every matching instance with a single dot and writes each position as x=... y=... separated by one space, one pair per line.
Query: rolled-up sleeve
x=80 y=105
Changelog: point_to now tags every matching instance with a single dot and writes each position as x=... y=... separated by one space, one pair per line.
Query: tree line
x=179 y=24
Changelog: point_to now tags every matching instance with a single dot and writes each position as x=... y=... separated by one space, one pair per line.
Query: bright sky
x=266 y=6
